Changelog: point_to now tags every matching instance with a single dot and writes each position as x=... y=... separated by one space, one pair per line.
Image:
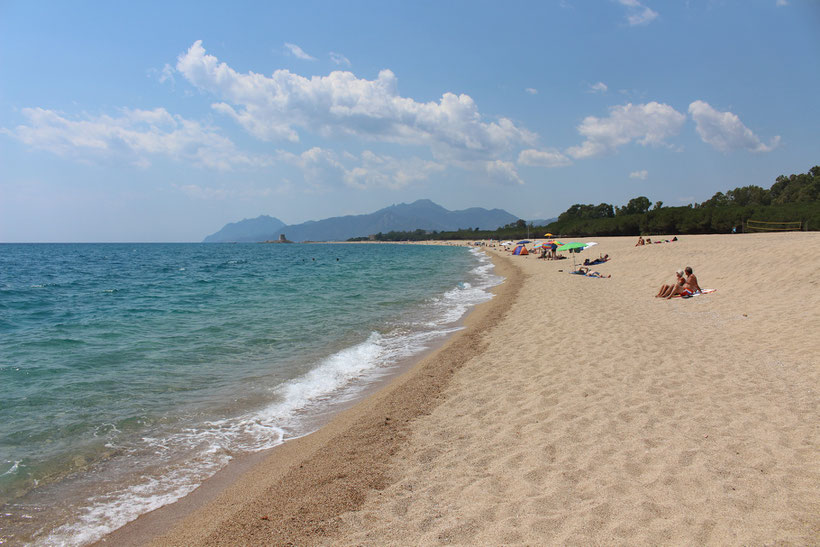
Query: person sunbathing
x=691 y=280
x=667 y=290
x=586 y=272
x=690 y=285
x=600 y=260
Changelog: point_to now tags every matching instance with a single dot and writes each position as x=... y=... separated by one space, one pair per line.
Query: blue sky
x=162 y=121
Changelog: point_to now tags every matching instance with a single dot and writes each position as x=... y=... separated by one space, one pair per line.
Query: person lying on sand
x=585 y=271
x=666 y=290
x=600 y=260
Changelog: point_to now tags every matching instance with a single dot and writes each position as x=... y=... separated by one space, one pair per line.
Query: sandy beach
x=570 y=410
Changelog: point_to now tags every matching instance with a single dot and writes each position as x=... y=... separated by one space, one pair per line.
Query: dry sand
x=574 y=410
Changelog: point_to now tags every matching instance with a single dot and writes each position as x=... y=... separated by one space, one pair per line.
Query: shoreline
x=574 y=410
x=290 y=471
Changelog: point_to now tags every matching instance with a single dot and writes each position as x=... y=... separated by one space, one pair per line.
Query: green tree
x=636 y=206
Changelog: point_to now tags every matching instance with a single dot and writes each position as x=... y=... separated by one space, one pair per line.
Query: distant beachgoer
x=649 y=241
x=585 y=271
x=640 y=241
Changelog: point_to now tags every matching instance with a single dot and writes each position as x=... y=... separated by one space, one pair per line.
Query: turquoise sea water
x=131 y=372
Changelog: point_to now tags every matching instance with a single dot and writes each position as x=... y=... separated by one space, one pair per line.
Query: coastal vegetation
x=794 y=198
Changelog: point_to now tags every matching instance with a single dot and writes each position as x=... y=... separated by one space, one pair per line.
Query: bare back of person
x=691 y=281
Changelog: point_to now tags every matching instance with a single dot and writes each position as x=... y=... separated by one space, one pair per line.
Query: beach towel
x=704 y=291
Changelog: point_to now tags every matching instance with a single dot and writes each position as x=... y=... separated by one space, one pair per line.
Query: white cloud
x=781 y=3
x=339 y=104
x=298 y=52
x=650 y=124
x=725 y=131
x=389 y=172
x=600 y=87
x=136 y=135
x=167 y=74
x=639 y=174
x=638 y=13
x=369 y=170
x=531 y=91
x=502 y=172
x=339 y=59
x=543 y=158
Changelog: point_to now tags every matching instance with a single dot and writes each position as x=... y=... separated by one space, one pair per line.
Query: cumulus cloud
x=600 y=87
x=298 y=52
x=639 y=174
x=368 y=170
x=531 y=91
x=389 y=172
x=725 y=131
x=339 y=59
x=649 y=124
x=543 y=158
x=340 y=104
x=638 y=14
x=134 y=135
x=502 y=172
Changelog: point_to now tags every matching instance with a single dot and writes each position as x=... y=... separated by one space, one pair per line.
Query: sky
x=163 y=121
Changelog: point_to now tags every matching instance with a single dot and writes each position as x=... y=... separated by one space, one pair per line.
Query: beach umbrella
x=523 y=242
x=548 y=234
x=574 y=247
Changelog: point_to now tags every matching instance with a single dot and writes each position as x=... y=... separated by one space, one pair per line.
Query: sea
x=130 y=373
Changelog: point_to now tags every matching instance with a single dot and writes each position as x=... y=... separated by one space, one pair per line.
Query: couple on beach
x=686 y=285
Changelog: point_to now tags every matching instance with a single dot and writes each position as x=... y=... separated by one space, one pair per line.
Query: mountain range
x=422 y=214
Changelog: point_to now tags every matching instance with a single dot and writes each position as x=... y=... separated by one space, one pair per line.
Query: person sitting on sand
x=690 y=286
x=666 y=290
x=691 y=280
x=640 y=241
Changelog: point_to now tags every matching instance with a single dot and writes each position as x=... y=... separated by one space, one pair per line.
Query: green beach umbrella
x=574 y=247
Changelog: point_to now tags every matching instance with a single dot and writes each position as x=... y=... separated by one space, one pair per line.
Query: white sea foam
x=13 y=469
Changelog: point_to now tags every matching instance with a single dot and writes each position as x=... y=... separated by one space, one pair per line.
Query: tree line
x=792 y=198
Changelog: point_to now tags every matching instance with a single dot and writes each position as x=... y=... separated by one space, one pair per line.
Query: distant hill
x=250 y=230
x=542 y=221
x=422 y=214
